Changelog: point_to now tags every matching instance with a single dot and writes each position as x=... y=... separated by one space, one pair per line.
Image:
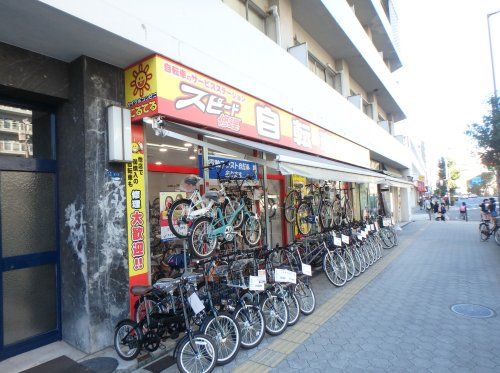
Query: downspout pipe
x=274 y=12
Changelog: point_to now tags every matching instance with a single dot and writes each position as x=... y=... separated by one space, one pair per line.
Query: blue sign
x=476 y=180
x=236 y=168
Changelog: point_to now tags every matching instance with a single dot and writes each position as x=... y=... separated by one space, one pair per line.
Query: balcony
x=335 y=27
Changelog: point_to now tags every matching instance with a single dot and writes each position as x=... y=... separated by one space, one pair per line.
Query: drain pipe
x=274 y=12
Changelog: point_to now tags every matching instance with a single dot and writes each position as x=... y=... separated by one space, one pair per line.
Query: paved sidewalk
x=402 y=320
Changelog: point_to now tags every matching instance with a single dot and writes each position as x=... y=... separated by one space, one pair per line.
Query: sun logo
x=140 y=82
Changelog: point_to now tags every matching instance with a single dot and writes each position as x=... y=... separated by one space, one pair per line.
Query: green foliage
x=448 y=176
x=480 y=189
x=487 y=135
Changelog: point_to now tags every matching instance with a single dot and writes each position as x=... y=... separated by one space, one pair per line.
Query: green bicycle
x=207 y=231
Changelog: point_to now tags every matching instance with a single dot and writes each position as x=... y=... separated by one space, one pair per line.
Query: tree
x=447 y=175
x=487 y=138
x=453 y=174
x=441 y=184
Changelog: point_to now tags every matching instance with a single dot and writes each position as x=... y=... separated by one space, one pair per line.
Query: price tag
x=360 y=237
x=306 y=269
x=262 y=276
x=337 y=241
x=345 y=239
x=376 y=226
x=256 y=284
x=372 y=227
x=195 y=303
x=284 y=275
x=387 y=221
x=363 y=234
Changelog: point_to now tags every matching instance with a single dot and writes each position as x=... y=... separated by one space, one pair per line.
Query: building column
x=94 y=268
x=372 y=99
x=343 y=69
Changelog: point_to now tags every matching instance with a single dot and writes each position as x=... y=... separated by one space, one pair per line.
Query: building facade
x=288 y=88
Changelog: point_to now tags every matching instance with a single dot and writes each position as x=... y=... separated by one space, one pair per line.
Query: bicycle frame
x=226 y=221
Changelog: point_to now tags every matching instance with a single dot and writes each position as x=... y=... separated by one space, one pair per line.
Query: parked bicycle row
x=231 y=299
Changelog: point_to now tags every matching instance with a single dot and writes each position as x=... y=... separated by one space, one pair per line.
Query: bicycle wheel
x=252 y=325
x=302 y=218
x=497 y=236
x=307 y=299
x=226 y=333
x=293 y=305
x=386 y=241
x=178 y=217
x=484 y=231
x=349 y=213
x=201 y=243
x=252 y=230
x=275 y=313
x=291 y=203
x=362 y=259
x=128 y=339
x=336 y=212
x=335 y=268
x=349 y=261
x=191 y=361
x=357 y=262
x=230 y=205
x=326 y=215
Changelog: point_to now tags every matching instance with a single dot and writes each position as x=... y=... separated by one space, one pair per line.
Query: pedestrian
x=435 y=209
x=463 y=212
x=485 y=210
x=493 y=212
x=421 y=202
x=442 y=212
x=428 y=207
x=447 y=202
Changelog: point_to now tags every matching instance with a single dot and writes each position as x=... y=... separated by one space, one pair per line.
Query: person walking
x=441 y=212
x=435 y=209
x=463 y=211
x=485 y=210
x=428 y=207
x=493 y=211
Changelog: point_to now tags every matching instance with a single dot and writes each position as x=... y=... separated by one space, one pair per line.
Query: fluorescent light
x=148 y=120
x=188 y=144
x=225 y=155
x=180 y=148
x=163 y=149
x=158 y=163
x=216 y=138
x=192 y=157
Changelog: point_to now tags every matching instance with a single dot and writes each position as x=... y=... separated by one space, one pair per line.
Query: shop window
x=26 y=133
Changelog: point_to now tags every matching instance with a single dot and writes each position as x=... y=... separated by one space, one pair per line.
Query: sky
x=446 y=76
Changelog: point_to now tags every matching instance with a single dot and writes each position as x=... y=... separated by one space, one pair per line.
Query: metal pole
x=491 y=56
x=266 y=202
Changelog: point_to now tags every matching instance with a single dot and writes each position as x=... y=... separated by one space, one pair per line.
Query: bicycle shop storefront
x=184 y=121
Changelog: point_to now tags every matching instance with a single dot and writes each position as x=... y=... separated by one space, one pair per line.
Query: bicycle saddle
x=298 y=185
x=140 y=289
x=192 y=180
x=308 y=197
x=211 y=195
x=166 y=284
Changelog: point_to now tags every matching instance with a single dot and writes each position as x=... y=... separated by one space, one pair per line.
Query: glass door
x=29 y=235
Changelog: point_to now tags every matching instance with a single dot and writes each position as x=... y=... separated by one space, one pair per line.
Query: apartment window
x=254 y=14
x=367 y=108
x=323 y=72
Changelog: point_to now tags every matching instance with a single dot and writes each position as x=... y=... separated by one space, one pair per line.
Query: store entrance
x=29 y=238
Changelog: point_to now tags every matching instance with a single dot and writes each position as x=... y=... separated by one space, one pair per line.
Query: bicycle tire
x=198 y=248
x=249 y=339
x=178 y=229
x=209 y=346
x=326 y=215
x=293 y=305
x=229 y=206
x=303 y=212
x=277 y=320
x=349 y=261
x=306 y=297
x=128 y=326
x=335 y=268
x=210 y=328
x=251 y=225
x=483 y=232
x=290 y=205
x=497 y=235
x=357 y=262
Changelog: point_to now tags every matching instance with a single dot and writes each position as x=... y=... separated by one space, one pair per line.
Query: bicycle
x=487 y=229
x=205 y=231
x=313 y=209
x=342 y=209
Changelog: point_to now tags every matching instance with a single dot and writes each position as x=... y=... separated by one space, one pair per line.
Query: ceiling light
x=188 y=144
x=192 y=157
x=225 y=155
x=158 y=163
x=180 y=148
x=148 y=120
x=163 y=149
x=216 y=138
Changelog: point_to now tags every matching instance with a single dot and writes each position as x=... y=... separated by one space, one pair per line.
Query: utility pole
x=491 y=56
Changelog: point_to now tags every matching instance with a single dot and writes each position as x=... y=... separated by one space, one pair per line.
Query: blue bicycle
x=206 y=232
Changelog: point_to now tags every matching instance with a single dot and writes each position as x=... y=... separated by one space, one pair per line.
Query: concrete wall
x=94 y=271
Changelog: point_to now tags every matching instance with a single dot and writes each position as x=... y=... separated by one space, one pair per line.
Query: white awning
x=399 y=183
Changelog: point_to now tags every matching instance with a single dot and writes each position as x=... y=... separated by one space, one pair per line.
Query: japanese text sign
x=159 y=86
x=235 y=168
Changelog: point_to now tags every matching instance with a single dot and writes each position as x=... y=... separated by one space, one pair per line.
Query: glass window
x=255 y=13
x=255 y=18
x=26 y=133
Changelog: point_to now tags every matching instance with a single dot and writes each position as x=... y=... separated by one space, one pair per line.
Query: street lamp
x=491 y=55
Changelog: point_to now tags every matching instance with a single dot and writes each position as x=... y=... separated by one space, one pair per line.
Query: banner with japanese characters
x=233 y=168
x=158 y=85
x=138 y=252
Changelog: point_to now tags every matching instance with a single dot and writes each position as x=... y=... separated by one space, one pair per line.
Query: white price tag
x=360 y=237
x=337 y=241
x=387 y=221
x=195 y=303
x=363 y=234
x=255 y=283
x=262 y=276
x=372 y=227
x=345 y=239
x=284 y=275
x=376 y=226
x=306 y=269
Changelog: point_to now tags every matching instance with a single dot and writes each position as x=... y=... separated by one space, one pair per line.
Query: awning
x=399 y=183
x=291 y=162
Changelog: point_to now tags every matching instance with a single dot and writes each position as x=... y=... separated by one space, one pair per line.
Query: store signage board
x=159 y=86
x=255 y=283
x=166 y=200
x=235 y=168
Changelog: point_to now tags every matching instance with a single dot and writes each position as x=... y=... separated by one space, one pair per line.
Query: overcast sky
x=446 y=76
